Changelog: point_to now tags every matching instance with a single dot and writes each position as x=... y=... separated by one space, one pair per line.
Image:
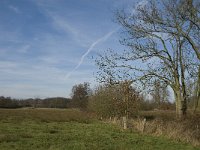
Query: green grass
x=55 y=129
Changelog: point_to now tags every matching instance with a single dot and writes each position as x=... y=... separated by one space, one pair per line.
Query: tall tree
x=190 y=14
x=158 y=48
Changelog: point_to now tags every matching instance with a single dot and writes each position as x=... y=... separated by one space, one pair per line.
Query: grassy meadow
x=63 y=129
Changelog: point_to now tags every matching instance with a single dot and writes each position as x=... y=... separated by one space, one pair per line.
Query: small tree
x=80 y=94
x=115 y=101
x=102 y=101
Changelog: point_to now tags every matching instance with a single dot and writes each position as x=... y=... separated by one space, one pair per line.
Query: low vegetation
x=163 y=123
x=71 y=129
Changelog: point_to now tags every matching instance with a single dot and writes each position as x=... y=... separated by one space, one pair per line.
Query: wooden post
x=124 y=119
x=115 y=120
x=110 y=119
x=143 y=125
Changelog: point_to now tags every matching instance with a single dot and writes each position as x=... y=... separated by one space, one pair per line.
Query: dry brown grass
x=187 y=130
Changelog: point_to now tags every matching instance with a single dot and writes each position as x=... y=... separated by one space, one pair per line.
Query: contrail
x=105 y=37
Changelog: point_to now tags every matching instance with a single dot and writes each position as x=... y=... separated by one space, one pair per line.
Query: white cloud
x=10 y=36
x=42 y=72
x=62 y=24
x=7 y=64
x=49 y=59
x=23 y=80
x=24 y=48
x=15 y=9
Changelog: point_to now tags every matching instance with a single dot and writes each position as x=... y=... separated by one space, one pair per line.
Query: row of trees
x=56 y=102
x=119 y=99
x=106 y=100
x=162 y=40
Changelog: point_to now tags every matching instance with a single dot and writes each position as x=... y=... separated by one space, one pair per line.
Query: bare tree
x=158 y=48
x=189 y=14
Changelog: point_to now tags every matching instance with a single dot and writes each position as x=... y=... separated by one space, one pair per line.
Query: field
x=62 y=129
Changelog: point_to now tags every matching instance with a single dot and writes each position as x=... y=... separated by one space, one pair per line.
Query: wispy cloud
x=38 y=58
x=105 y=37
x=15 y=9
x=24 y=48
x=18 y=79
x=61 y=23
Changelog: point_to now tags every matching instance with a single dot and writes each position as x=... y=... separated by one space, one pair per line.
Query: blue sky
x=46 y=45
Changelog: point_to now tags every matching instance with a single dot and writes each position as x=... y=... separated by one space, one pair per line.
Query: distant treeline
x=55 y=102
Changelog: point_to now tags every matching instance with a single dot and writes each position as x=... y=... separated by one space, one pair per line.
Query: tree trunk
x=180 y=106
x=183 y=86
x=180 y=90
